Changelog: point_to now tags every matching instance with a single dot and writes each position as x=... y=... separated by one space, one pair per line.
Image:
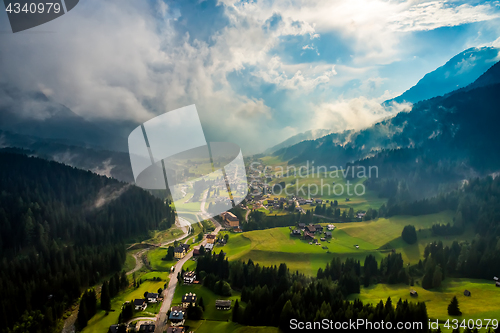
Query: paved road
x=168 y=294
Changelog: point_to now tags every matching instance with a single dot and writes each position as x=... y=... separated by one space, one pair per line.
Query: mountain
x=308 y=135
x=441 y=140
x=458 y=72
x=114 y=164
x=28 y=113
x=61 y=231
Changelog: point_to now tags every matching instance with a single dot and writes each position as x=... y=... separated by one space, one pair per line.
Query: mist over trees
x=62 y=230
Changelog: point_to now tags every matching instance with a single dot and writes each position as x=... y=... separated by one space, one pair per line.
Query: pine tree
x=453 y=309
x=82 y=318
x=105 y=298
x=236 y=309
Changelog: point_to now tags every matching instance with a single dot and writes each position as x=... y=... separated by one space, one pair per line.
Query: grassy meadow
x=273 y=246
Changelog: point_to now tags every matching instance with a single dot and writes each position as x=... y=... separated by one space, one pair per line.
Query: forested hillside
x=61 y=230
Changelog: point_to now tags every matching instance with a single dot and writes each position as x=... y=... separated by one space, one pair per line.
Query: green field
x=101 y=321
x=274 y=246
x=154 y=257
x=209 y=298
x=129 y=262
x=206 y=326
x=484 y=302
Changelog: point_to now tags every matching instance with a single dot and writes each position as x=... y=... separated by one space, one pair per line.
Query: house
x=309 y=201
x=308 y=235
x=152 y=297
x=140 y=304
x=357 y=246
x=172 y=329
x=179 y=252
x=319 y=201
x=360 y=215
x=330 y=227
x=196 y=252
x=328 y=234
x=302 y=225
x=223 y=304
x=318 y=227
x=186 y=246
x=210 y=239
x=495 y=278
x=237 y=230
x=189 y=277
x=149 y=328
x=347 y=199
x=230 y=219
x=302 y=202
x=188 y=299
x=311 y=229
x=296 y=232
x=497 y=284
x=209 y=247
x=467 y=293
x=413 y=293
x=322 y=239
x=176 y=317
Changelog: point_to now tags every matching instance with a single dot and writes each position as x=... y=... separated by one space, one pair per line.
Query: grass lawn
x=129 y=262
x=482 y=304
x=154 y=257
x=206 y=326
x=211 y=313
x=274 y=246
x=100 y=322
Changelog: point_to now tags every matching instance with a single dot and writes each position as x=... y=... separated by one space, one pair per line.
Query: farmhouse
x=179 y=252
x=188 y=299
x=230 y=219
x=186 y=246
x=149 y=328
x=210 y=239
x=140 y=304
x=189 y=277
x=497 y=284
x=296 y=232
x=413 y=293
x=495 y=278
x=467 y=293
x=309 y=201
x=328 y=234
x=176 y=317
x=209 y=247
x=311 y=229
x=237 y=230
x=308 y=235
x=302 y=225
x=223 y=304
x=318 y=227
x=152 y=297
x=330 y=227
x=319 y=201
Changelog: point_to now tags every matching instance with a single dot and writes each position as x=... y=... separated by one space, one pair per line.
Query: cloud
x=132 y=60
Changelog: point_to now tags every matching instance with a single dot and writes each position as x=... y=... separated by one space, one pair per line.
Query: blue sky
x=258 y=71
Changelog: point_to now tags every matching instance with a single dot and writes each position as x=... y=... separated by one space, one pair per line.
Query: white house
x=152 y=297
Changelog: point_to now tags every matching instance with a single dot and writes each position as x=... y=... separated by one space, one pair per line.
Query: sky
x=257 y=71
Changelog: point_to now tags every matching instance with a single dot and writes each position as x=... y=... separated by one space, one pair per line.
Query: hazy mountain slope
x=308 y=135
x=33 y=113
x=458 y=72
x=461 y=125
x=104 y=162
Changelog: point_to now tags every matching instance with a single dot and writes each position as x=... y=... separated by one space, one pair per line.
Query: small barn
x=223 y=304
x=467 y=293
x=413 y=293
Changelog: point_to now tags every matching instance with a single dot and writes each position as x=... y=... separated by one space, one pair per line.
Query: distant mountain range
x=458 y=72
x=308 y=135
x=457 y=132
